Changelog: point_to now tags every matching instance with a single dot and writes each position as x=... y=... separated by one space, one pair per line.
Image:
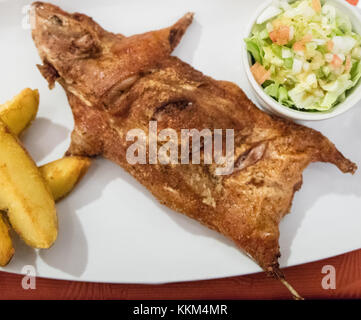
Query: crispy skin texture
x=135 y=80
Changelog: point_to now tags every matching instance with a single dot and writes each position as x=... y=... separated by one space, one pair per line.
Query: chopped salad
x=305 y=54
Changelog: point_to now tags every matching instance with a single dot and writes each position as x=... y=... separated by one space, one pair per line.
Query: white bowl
x=272 y=105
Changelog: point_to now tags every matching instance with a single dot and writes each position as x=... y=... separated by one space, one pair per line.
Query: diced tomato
x=353 y=2
x=273 y=35
x=348 y=63
x=260 y=73
x=336 y=62
x=280 y=36
x=299 y=46
x=316 y=5
x=330 y=45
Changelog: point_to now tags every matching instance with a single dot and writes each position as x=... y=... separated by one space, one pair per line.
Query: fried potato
x=24 y=194
x=6 y=245
x=20 y=111
x=62 y=175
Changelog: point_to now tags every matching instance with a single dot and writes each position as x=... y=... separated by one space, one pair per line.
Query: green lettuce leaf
x=254 y=49
x=356 y=72
x=272 y=90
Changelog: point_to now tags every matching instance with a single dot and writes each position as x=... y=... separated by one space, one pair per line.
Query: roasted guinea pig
x=116 y=83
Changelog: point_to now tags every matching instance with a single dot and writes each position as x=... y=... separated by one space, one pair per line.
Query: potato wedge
x=6 y=245
x=20 y=111
x=24 y=194
x=62 y=175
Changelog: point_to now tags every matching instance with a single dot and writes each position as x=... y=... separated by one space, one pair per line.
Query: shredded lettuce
x=336 y=90
x=284 y=98
x=356 y=72
x=272 y=90
x=278 y=92
x=318 y=65
x=288 y=62
x=343 y=23
x=254 y=49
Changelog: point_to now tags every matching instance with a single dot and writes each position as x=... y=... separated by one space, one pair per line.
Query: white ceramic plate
x=111 y=229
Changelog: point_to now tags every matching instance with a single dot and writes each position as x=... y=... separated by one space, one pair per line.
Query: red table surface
x=307 y=279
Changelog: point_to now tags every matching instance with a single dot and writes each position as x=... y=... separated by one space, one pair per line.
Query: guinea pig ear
x=177 y=31
x=160 y=41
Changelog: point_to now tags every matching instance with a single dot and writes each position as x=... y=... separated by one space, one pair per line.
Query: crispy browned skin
x=116 y=83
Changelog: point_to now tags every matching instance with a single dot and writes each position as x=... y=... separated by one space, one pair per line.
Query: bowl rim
x=285 y=111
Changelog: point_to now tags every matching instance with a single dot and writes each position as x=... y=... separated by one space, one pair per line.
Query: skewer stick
x=295 y=294
x=278 y=274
